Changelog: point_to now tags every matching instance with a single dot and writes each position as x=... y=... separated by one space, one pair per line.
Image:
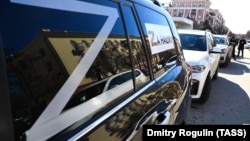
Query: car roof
x=191 y=31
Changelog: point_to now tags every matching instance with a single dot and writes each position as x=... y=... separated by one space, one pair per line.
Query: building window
x=188 y=4
x=181 y=12
x=187 y=13
x=201 y=4
x=194 y=4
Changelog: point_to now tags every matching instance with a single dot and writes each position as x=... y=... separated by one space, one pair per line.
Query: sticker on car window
x=160 y=38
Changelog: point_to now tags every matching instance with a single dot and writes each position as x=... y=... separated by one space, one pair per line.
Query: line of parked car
x=205 y=52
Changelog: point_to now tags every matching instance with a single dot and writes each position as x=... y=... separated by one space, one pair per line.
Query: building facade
x=217 y=21
x=198 y=11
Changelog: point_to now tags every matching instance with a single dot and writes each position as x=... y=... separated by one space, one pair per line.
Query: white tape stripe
x=62 y=97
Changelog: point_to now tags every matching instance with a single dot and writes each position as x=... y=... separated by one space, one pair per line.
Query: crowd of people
x=238 y=43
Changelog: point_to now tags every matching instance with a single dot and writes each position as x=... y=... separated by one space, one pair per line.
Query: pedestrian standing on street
x=233 y=42
x=242 y=42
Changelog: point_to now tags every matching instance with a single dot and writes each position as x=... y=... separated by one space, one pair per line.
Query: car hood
x=195 y=57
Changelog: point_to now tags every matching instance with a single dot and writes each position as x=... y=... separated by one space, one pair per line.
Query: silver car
x=222 y=42
x=247 y=45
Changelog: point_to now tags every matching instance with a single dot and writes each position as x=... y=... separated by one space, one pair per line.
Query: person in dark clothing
x=242 y=42
x=233 y=42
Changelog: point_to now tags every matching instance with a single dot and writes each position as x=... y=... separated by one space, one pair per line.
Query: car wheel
x=205 y=92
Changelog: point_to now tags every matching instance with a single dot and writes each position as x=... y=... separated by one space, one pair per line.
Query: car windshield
x=219 y=40
x=248 y=41
x=193 y=42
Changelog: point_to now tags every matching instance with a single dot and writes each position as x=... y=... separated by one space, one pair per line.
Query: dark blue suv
x=54 y=55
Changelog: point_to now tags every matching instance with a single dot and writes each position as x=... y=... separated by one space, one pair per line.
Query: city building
x=198 y=11
x=217 y=21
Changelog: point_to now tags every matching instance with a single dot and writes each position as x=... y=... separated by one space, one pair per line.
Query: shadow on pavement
x=237 y=67
x=227 y=104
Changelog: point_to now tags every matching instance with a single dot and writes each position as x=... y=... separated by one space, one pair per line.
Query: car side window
x=160 y=41
x=118 y=125
x=59 y=62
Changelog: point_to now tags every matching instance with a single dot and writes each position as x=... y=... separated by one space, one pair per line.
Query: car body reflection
x=98 y=88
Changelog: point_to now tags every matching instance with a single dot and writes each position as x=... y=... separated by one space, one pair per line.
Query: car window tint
x=118 y=125
x=55 y=57
x=193 y=42
x=159 y=40
x=137 y=47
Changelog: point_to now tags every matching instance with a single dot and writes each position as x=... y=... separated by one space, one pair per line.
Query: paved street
x=229 y=102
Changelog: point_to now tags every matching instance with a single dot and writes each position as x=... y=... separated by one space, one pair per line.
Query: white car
x=201 y=54
x=222 y=43
x=247 y=45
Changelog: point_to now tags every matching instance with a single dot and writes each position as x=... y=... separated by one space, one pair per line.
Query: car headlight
x=198 y=68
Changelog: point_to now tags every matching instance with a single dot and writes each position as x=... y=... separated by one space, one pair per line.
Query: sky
x=234 y=12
